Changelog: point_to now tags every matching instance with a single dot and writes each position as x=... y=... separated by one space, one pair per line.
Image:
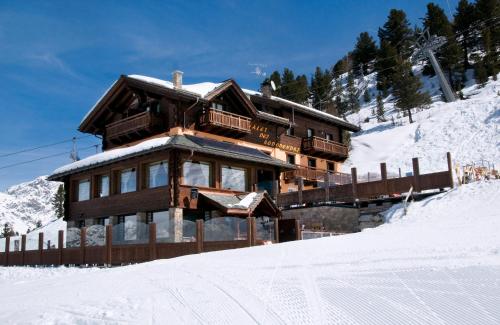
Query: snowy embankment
x=439 y=264
x=469 y=129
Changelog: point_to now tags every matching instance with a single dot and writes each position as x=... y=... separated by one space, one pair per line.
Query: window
x=196 y=173
x=290 y=131
x=158 y=174
x=329 y=136
x=218 y=106
x=290 y=159
x=128 y=180
x=330 y=166
x=103 y=186
x=310 y=133
x=311 y=163
x=83 y=190
x=103 y=221
x=234 y=178
x=162 y=221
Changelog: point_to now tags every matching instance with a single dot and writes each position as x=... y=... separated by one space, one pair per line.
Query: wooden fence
x=348 y=193
x=113 y=254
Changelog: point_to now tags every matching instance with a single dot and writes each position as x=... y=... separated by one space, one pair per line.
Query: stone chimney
x=266 y=90
x=177 y=79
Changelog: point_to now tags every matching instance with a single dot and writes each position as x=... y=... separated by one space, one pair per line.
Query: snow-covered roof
x=113 y=154
x=204 y=88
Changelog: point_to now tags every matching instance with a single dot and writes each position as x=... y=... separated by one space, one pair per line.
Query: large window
x=162 y=220
x=234 y=178
x=158 y=174
x=128 y=180
x=83 y=190
x=103 y=185
x=290 y=159
x=196 y=173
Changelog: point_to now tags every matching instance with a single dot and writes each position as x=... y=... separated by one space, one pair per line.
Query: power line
x=45 y=157
x=42 y=146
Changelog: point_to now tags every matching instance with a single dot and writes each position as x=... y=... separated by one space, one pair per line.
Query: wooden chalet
x=174 y=152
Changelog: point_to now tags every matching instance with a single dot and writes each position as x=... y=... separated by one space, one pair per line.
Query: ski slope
x=469 y=129
x=439 y=264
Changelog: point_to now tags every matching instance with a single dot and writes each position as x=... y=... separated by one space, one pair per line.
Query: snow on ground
x=26 y=203
x=439 y=264
x=469 y=129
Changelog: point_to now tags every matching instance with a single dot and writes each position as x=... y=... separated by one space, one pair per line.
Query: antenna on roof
x=273 y=85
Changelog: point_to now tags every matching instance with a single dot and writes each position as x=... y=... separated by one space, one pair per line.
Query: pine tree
x=58 y=202
x=38 y=224
x=463 y=20
x=301 y=90
x=380 y=109
x=352 y=97
x=397 y=32
x=321 y=89
x=365 y=51
x=342 y=66
x=366 y=96
x=287 y=84
x=407 y=90
x=385 y=66
x=487 y=12
x=7 y=230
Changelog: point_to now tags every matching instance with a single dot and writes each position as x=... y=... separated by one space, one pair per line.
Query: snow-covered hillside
x=24 y=204
x=439 y=264
x=469 y=129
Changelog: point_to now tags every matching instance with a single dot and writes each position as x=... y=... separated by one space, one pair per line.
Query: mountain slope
x=469 y=129
x=26 y=203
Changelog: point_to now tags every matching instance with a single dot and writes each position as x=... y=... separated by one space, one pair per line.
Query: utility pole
x=74 y=151
x=426 y=46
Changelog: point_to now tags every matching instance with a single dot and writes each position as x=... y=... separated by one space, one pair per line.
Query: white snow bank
x=438 y=265
x=114 y=154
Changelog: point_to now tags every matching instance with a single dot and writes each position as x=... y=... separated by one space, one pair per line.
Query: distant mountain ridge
x=24 y=204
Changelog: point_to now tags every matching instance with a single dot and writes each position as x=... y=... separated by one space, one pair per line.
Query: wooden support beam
x=40 y=247
x=416 y=175
x=383 y=174
x=327 y=186
x=298 y=230
x=450 y=168
x=200 y=236
x=23 y=248
x=300 y=181
x=276 y=231
x=83 y=243
x=7 y=249
x=109 y=245
x=354 y=178
x=152 y=241
x=60 y=245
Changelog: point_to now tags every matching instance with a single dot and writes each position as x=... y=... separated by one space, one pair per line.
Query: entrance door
x=265 y=181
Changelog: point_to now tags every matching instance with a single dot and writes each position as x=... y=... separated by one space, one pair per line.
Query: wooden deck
x=325 y=147
x=138 y=124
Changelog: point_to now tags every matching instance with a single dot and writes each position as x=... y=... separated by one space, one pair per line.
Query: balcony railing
x=329 y=147
x=306 y=173
x=138 y=123
x=226 y=120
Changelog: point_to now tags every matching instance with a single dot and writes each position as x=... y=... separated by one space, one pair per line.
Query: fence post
x=249 y=231
x=7 y=249
x=276 y=230
x=199 y=235
x=83 y=243
x=383 y=174
x=450 y=168
x=327 y=187
x=298 y=231
x=416 y=174
x=300 y=181
x=60 y=243
x=354 y=178
x=109 y=243
x=40 y=247
x=152 y=241
x=23 y=248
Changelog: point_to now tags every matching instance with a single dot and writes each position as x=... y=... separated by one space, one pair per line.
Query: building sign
x=263 y=134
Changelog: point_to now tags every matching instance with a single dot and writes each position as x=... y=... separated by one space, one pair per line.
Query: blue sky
x=57 y=58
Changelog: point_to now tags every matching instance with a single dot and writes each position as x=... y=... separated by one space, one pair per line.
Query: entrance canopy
x=252 y=204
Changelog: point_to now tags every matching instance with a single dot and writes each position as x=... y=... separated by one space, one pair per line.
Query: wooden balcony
x=214 y=119
x=324 y=148
x=133 y=126
x=306 y=173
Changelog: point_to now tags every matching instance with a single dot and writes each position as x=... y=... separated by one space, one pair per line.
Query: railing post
x=152 y=241
x=298 y=231
x=109 y=244
x=83 y=243
x=276 y=230
x=40 y=247
x=199 y=236
x=450 y=168
x=354 y=178
x=383 y=174
x=416 y=174
x=7 y=249
x=60 y=242
x=23 y=248
x=300 y=189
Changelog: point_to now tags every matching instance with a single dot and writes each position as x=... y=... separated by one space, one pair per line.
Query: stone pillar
x=176 y=217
